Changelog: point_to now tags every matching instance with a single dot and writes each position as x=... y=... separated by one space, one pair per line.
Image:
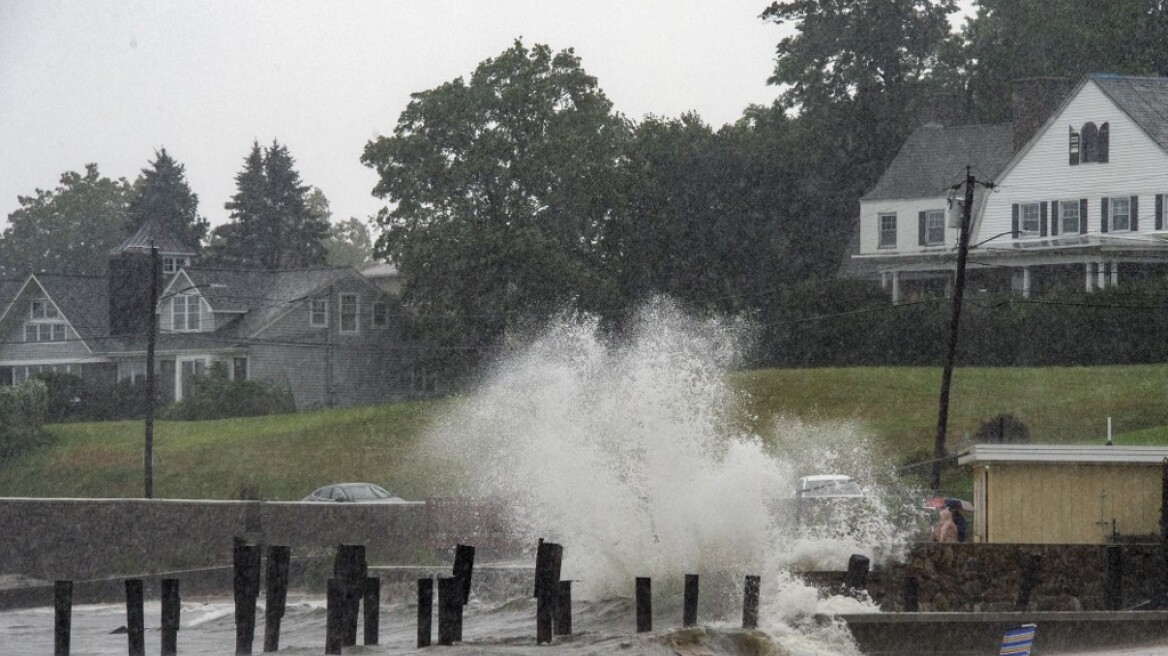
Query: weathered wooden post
x=449 y=600
x=171 y=616
x=372 y=602
x=246 y=561
x=644 y=596
x=425 y=611
x=689 y=612
x=750 y=603
x=135 y=618
x=911 y=595
x=350 y=566
x=857 y=576
x=275 y=594
x=1163 y=588
x=1026 y=581
x=547 y=583
x=62 y=616
x=563 y=619
x=334 y=628
x=1113 y=583
x=463 y=570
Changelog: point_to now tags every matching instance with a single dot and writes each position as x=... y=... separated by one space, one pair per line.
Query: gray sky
x=111 y=82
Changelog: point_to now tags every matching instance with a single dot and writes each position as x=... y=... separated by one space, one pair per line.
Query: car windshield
x=831 y=488
x=367 y=493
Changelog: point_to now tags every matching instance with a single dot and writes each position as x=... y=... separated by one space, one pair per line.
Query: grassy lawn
x=286 y=456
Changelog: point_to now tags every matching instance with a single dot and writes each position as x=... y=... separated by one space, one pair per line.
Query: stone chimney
x=941 y=109
x=1033 y=100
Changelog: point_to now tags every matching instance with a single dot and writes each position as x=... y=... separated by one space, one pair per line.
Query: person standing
x=954 y=507
x=946 y=530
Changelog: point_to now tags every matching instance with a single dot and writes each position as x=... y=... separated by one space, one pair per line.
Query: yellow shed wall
x=1036 y=503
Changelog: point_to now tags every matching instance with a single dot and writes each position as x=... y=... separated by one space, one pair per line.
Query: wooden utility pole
x=954 y=329
x=151 y=330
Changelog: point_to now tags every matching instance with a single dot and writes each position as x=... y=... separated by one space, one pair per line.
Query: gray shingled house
x=330 y=336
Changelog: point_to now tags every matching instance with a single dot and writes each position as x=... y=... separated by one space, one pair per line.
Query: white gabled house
x=1078 y=202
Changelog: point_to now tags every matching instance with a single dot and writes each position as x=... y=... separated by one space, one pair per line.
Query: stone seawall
x=52 y=539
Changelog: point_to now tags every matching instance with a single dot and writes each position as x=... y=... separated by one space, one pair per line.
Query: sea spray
x=631 y=453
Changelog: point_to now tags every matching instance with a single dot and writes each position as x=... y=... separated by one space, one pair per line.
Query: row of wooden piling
x=135 y=617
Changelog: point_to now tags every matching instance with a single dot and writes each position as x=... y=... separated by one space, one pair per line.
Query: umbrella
x=942 y=502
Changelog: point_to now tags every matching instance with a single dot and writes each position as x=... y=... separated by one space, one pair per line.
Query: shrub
x=65 y=394
x=22 y=414
x=1003 y=429
x=215 y=396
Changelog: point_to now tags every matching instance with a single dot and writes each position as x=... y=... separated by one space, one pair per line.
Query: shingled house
x=330 y=336
x=1078 y=200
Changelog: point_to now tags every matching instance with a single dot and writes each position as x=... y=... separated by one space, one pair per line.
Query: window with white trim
x=934 y=227
x=172 y=264
x=318 y=312
x=1120 y=214
x=42 y=308
x=44 y=331
x=187 y=313
x=1030 y=217
x=887 y=230
x=350 y=306
x=380 y=315
x=21 y=374
x=1069 y=216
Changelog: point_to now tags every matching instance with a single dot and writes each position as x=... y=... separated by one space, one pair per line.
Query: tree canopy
x=161 y=193
x=272 y=225
x=70 y=229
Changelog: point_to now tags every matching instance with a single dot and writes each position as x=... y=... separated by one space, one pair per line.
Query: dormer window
x=1091 y=144
x=43 y=308
x=187 y=313
x=44 y=322
x=171 y=264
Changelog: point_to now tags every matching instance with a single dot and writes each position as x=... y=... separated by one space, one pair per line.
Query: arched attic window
x=1095 y=143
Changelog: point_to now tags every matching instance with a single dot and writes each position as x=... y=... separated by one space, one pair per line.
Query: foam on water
x=628 y=453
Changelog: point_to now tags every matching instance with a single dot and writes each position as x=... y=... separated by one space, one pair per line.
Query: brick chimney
x=1033 y=100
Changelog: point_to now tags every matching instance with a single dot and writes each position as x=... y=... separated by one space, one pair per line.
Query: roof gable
x=82 y=302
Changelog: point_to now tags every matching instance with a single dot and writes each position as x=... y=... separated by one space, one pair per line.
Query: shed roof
x=934 y=158
x=1069 y=454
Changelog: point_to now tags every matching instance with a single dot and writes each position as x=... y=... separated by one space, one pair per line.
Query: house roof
x=153 y=233
x=1141 y=98
x=934 y=158
x=83 y=300
x=1063 y=454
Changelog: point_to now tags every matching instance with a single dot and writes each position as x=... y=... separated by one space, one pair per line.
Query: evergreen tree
x=161 y=192
x=272 y=225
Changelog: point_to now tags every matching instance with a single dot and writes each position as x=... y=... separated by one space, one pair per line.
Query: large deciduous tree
x=70 y=229
x=272 y=225
x=500 y=189
x=161 y=193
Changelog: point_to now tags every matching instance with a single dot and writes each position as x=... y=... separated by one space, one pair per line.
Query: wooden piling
x=135 y=619
x=1027 y=581
x=911 y=595
x=1113 y=581
x=689 y=613
x=449 y=598
x=246 y=561
x=750 y=602
x=350 y=565
x=425 y=611
x=371 y=599
x=171 y=616
x=334 y=630
x=857 y=577
x=464 y=556
x=563 y=618
x=275 y=594
x=644 y=596
x=547 y=583
x=62 y=617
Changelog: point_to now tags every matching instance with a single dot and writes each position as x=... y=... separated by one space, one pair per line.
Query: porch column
x=949 y=286
x=1115 y=274
x=895 y=287
x=1101 y=268
x=1090 y=277
x=883 y=280
x=1025 y=282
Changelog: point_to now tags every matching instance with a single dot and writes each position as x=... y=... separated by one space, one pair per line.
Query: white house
x=1078 y=201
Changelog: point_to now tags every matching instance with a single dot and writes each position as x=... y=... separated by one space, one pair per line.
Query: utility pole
x=152 y=328
x=954 y=329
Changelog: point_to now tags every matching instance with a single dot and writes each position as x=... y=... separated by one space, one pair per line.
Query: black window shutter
x=1073 y=146
x=1042 y=219
x=1014 y=220
x=1159 y=211
x=1082 y=216
x=1103 y=211
x=1135 y=212
x=1054 y=220
x=921 y=229
x=1102 y=143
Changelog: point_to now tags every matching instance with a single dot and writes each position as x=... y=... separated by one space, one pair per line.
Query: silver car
x=352 y=493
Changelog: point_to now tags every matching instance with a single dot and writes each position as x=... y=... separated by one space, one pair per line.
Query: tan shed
x=1062 y=494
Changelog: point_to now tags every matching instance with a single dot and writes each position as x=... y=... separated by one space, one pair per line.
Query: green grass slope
x=286 y=456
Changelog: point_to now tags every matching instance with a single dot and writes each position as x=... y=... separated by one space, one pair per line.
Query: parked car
x=828 y=486
x=352 y=493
